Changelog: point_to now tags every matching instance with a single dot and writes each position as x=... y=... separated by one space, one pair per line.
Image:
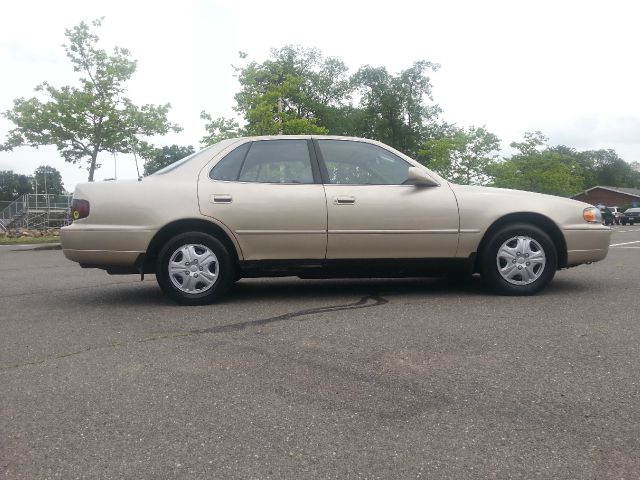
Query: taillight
x=79 y=209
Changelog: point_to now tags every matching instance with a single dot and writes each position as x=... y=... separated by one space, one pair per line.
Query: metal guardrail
x=38 y=211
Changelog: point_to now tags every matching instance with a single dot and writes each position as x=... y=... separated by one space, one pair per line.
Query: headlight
x=592 y=215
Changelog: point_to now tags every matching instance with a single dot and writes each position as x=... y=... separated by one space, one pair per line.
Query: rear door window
x=277 y=161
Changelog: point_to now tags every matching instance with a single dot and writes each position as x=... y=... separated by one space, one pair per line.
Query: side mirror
x=417 y=176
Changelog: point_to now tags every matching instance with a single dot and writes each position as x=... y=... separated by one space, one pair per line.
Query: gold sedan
x=320 y=207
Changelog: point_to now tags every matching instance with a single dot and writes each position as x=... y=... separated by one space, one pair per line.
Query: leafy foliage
x=539 y=169
x=49 y=180
x=158 y=158
x=96 y=116
x=394 y=106
x=544 y=172
x=462 y=155
x=219 y=129
x=12 y=185
x=299 y=91
x=607 y=168
x=561 y=170
x=290 y=92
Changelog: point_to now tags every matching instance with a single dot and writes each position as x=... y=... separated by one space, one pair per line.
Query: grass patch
x=28 y=240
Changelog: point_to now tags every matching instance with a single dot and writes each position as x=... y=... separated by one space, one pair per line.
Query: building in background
x=610 y=196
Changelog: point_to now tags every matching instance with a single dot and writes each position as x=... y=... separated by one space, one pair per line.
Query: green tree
x=12 y=185
x=219 y=129
x=533 y=142
x=293 y=92
x=299 y=91
x=96 y=116
x=537 y=169
x=49 y=180
x=395 y=107
x=158 y=158
x=462 y=155
x=608 y=169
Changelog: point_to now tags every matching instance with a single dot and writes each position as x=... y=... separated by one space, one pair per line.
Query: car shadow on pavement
x=147 y=293
x=284 y=288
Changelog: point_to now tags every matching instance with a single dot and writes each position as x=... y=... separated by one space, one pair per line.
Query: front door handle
x=344 y=200
x=220 y=198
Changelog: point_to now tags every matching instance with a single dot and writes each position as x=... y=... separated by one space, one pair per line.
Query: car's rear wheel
x=519 y=260
x=194 y=268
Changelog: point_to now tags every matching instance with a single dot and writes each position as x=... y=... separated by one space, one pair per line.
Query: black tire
x=489 y=260
x=209 y=294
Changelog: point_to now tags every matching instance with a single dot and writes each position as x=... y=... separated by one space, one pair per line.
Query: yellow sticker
x=76 y=214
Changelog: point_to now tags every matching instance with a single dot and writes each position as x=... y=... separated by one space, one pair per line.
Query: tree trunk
x=92 y=165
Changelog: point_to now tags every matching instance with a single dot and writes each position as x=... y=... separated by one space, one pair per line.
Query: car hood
x=515 y=194
x=484 y=205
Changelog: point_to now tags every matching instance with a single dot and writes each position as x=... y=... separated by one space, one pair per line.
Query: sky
x=567 y=68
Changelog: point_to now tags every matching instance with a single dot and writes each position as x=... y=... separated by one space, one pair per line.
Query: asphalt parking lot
x=102 y=377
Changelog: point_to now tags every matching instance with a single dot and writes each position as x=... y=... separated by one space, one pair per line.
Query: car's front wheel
x=519 y=260
x=194 y=268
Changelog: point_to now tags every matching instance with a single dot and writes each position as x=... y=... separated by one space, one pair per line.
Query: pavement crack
x=367 y=301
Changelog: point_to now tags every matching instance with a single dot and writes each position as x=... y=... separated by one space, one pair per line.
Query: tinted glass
x=229 y=167
x=358 y=163
x=277 y=161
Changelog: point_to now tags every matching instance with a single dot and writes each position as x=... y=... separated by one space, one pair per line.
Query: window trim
x=313 y=160
x=325 y=171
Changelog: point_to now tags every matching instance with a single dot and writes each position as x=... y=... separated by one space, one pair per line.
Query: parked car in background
x=608 y=218
x=631 y=216
x=617 y=213
x=322 y=207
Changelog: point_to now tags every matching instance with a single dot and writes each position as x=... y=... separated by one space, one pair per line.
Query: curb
x=31 y=246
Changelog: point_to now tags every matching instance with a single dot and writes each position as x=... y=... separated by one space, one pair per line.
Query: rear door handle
x=344 y=200
x=220 y=198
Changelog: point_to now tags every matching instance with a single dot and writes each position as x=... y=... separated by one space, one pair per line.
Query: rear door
x=269 y=193
x=373 y=213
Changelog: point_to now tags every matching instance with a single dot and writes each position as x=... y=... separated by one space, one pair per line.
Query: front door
x=373 y=213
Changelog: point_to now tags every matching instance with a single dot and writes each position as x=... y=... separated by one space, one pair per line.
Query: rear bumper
x=587 y=244
x=104 y=247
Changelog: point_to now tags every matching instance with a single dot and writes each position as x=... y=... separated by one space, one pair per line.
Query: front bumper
x=586 y=244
